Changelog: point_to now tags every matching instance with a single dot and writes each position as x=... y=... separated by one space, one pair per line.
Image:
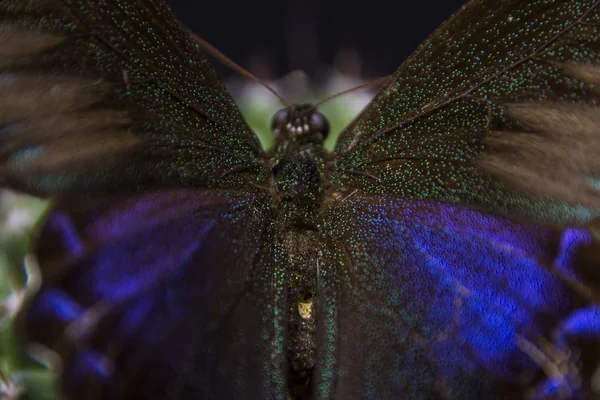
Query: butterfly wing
x=486 y=110
x=165 y=294
x=449 y=268
x=157 y=264
x=428 y=300
x=98 y=96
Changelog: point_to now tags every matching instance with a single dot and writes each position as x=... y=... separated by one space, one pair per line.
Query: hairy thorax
x=298 y=181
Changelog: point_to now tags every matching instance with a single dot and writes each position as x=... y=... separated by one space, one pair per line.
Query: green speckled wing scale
x=499 y=83
x=455 y=230
x=113 y=94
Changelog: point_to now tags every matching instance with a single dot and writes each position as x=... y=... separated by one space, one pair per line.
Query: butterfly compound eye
x=280 y=118
x=319 y=124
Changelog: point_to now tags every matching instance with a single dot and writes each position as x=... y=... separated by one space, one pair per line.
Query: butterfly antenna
x=376 y=82
x=229 y=63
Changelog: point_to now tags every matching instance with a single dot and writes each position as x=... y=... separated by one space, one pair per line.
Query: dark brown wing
x=497 y=109
x=112 y=94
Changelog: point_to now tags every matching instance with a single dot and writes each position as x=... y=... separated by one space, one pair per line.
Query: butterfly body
x=436 y=253
x=298 y=184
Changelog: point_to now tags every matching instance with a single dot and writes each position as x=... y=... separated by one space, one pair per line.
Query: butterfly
x=446 y=248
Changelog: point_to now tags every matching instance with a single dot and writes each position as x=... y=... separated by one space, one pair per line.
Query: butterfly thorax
x=297 y=178
x=298 y=164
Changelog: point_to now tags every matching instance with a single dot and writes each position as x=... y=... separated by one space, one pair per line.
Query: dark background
x=271 y=38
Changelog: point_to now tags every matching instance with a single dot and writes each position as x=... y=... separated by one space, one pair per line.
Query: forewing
x=497 y=109
x=101 y=95
x=424 y=300
x=164 y=295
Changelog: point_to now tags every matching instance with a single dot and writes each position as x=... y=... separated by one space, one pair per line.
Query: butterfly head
x=301 y=123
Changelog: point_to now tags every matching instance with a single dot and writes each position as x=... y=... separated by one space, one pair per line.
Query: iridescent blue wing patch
x=421 y=300
x=168 y=294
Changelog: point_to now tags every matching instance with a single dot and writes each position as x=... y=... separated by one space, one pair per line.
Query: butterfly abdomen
x=300 y=258
x=298 y=199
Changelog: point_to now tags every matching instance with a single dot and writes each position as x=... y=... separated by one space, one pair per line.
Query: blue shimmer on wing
x=174 y=285
x=57 y=304
x=135 y=314
x=67 y=234
x=572 y=240
x=458 y=295
x=478 y=257
x=95 y=362
x=138 y=243
x=86 y=366
x=582 y=323
x=151 y=251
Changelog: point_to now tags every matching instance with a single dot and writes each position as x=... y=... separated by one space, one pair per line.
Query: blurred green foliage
x=20 y=376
